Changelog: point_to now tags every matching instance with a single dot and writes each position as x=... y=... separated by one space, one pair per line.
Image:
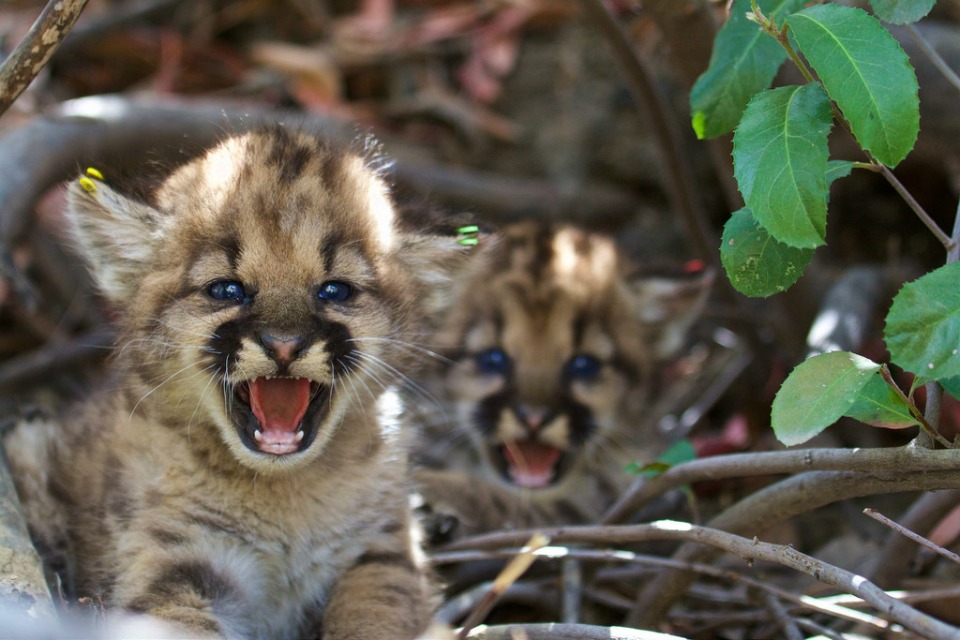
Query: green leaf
x=817 y=393
x=780 y=162
x=680 y=451
x=756 y=264
x=951 y=386
x=744 y=61
x=837 y=169
x=901 y=11
x=866 y=73
x=881 y=406
x=923 y=325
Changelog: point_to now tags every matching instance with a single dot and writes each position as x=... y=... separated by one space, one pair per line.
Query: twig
x=33 y=52
x=819 y=629
x=742 y=465
x=677 y=173
x=749 y=550
x=617 y=555
x=572 y=573
x=781 y=616
x=510 y=573
x=935 y=57
x=556 y=631
x=925 y=218
x=775 y=503
x=879 y=517
x=54 y=357
x=893 y=559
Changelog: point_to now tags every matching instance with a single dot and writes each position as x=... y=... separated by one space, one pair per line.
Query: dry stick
x=616 y=555
x=893 y=559
x=775 y=503
x=903 y=459
x=782 y=617
x=32 y=53
x=677 y=173
x=929 y=544
x=749 y=550
x=934 y=57
x=556 y=631
x=510 y=574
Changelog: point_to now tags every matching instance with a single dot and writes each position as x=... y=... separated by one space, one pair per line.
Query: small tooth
x=299 y=435
x=257 y=435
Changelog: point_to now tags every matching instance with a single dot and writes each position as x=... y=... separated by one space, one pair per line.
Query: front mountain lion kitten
x=233 y=477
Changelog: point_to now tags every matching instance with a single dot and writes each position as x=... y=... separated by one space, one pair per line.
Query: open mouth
x=529 y=463
x=279 y=415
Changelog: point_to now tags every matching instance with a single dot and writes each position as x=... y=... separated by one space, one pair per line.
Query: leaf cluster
x=859 y=80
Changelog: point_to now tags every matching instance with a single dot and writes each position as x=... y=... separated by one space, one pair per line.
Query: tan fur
x=165 y=508
x=545 y=295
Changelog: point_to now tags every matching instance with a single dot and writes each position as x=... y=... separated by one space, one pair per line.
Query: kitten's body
x=234 y=477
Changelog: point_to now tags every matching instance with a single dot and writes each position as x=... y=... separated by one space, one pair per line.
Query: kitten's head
x=554 y=338
x=270 y=285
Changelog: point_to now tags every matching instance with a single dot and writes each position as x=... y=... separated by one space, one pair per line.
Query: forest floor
x=523 y=109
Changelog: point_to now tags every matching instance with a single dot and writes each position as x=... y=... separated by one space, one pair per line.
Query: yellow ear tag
x=88 y=185
x=94 y=173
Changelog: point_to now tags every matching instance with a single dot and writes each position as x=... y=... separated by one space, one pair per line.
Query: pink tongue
x=531 y=463
x=279 y=403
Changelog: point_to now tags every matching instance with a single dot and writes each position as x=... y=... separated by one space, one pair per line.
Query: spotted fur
x=172 y=489
x=556 y=348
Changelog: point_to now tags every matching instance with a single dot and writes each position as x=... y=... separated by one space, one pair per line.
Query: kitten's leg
x=386 y=595
x=188 y=590
x=476 y=505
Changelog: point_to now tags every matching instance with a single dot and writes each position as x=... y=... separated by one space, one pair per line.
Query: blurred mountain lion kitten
x=233 y=478
x=556 y=345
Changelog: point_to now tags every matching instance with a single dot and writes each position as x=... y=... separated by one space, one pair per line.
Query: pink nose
x=532 y=417
x=283 y=349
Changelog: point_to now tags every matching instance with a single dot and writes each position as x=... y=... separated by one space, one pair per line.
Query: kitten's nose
x=532 y=417
x=283 y=349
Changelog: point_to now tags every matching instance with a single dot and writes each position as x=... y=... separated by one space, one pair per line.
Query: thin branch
x=616 y=555
x=556 y=631
x=935 y=57
x=33 y=52
x=749 y=550
x=678 y=176
x=907 y=533
x=788 y=498
x=903 y=459
x=925 y=218
x=782 y=617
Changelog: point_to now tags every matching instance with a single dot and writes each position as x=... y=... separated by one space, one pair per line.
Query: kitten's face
x=551 y=354
x=272 y=283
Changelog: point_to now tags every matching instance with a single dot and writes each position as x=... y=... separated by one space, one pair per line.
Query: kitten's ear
x=116 y=235
x=439 y=260
x=667 y=306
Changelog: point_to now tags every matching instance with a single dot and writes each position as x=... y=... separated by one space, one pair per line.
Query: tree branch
x=33 y=52
x=903 y=459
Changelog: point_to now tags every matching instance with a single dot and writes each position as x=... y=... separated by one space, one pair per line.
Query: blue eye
x=493 y=360
x=583 y=367
x=334 y=291
x=227 y=290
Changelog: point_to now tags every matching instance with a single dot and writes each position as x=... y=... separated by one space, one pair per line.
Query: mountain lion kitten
x=233 y=477
x=557 y=346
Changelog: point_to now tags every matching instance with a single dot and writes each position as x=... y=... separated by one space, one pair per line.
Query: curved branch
x=33 y=52
x=775 y=503
x=903 y=459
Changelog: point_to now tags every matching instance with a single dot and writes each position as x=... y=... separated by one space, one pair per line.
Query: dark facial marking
x=387 y=558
